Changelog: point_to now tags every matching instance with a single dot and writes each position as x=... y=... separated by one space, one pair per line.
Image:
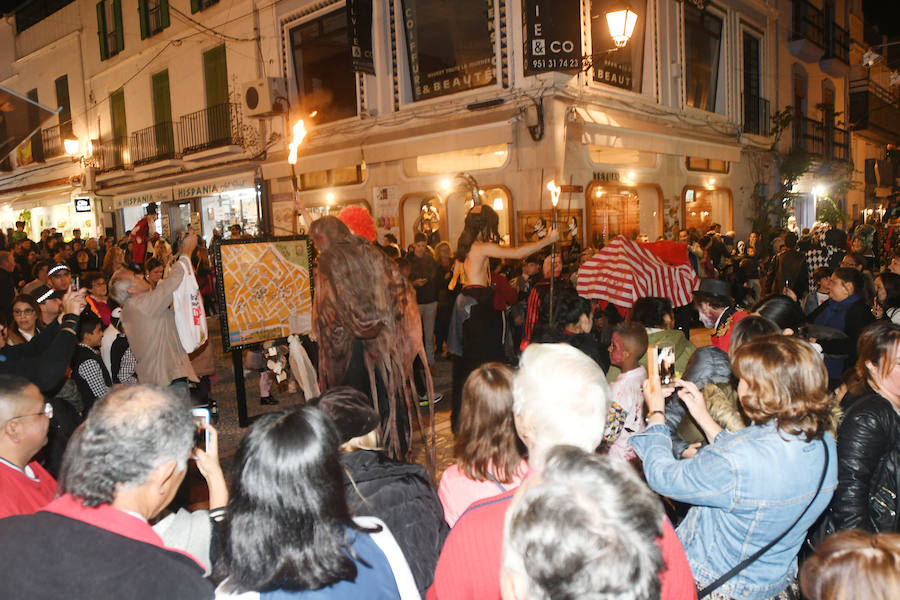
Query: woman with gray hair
x=584 y=529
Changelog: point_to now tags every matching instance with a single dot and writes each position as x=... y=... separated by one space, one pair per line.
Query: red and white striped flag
x=623 y=271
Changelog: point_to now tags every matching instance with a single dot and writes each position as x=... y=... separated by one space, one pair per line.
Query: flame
x=555 y=191
x=294 y=146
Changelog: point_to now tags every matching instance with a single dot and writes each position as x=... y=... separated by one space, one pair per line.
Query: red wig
x=359 y=221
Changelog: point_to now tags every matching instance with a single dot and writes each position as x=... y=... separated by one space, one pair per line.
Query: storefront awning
x=602 y=128
x=396 y=146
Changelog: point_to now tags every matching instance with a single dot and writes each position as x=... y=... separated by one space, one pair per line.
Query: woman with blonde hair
x=113 y=261
x=489 y=456
x=853 y=565
x=754 y=492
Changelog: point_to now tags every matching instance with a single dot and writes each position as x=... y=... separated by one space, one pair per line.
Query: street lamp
x=621 y=24
x=621 y=21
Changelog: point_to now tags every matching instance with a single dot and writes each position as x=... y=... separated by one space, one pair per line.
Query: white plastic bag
x=190 y=317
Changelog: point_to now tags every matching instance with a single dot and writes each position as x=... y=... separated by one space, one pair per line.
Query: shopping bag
x=190 y=317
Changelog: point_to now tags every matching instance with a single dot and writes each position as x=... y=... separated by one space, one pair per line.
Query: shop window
x=198 y=5
x=711 y=165
x=449 y=46
x=624 y=67
x=702 y=50
x=329 y=208
x=350 y=175
x=423 y=213
x=323 y=69
x=703 y=207
x=614 y=210
x=154 y=16
x=470 y=159
x=109 y=28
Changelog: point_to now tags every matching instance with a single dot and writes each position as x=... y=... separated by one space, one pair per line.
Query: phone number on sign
x=555 y=63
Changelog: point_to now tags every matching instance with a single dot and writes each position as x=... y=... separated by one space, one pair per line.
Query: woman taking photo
x=869 y=435
x=288 y=531
x=761 y=486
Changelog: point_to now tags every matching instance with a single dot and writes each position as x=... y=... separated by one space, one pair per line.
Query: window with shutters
x=109 y=28
x=198 y=5
x=702 y=50
x=154 y=16
x=65 y=108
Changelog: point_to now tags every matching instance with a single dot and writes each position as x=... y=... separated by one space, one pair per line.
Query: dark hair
x=634 y=335
x=781 y=310
x=858 y=257
x=790 y=239
x=891 y=283
x=287 y=517
x=879 y=344
x=12 y=386
x=30 y=301
x=651 y=311
x=821 y=273
x=570 y=307
x=151 y=264
x=750 y=327
x=87 y=323
x=486 y=444
x=482 y=220
x=38 y=265
x=852 y=276
x=420 y=237
x=89 y=277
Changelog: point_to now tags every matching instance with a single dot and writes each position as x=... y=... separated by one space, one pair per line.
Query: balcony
x=214 y=127
x=153 y=143
x=51 y=142
x=836 y=61
x=838 y=144
x=112 y=154
x=807 y=32
x=809 y=135
x=756 y=115
x=875 y=109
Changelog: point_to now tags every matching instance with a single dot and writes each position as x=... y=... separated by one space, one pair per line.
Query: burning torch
x=299 y=133
x=555 y=191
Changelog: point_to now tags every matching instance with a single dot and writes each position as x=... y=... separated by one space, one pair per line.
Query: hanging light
x=71 y=146
x=621 y=22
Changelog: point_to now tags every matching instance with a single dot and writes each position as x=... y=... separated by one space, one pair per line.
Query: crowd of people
x=599 y=451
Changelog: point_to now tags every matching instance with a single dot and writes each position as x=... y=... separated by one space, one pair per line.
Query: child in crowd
x=629 y=343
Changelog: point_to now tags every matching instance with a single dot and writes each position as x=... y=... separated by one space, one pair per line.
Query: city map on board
x=265 y=289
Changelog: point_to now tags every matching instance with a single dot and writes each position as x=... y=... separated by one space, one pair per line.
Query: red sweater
x=21 y=495
x=469 y=566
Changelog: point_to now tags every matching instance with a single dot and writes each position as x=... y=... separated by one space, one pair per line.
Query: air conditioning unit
x=264 y=97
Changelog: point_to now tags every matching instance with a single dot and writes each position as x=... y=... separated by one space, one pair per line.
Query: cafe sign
x=142 y=198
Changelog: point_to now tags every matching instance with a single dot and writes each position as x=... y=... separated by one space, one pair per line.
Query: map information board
x=264 y=288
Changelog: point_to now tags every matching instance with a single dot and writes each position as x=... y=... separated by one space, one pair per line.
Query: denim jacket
x=746 y=488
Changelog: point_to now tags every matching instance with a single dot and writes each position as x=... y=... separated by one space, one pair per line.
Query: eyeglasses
x=23 y=311
x=47 y=412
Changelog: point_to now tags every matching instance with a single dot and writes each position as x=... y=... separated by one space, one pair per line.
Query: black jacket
x=868 y=467
x=401 y=495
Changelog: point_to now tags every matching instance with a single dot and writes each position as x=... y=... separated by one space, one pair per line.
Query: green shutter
x=120 y=32
x=143 y=18
x=101 y=31
x=195 y=6
x=215 y=76
x=164 y=13
x=117 y=112
x=162 y=104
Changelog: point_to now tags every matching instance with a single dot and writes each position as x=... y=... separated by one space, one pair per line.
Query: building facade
x=191 y=104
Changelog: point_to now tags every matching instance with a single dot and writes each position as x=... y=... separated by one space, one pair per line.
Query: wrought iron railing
x=112 y=154
x=809 y=136
x=808 y=23
x=153 y=143
x=839 y=144
x=890 y=96
x=838 y=43
x=211 y=127
x=51 y=142
x=756 y=115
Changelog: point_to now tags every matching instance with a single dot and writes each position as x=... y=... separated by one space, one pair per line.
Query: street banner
x=552 y=40
x=449 y=45
x=359 y=32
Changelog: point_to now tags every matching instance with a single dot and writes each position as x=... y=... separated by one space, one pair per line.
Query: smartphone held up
x=201 y=434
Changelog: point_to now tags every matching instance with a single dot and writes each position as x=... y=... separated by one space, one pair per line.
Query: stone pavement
x=224 y=392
